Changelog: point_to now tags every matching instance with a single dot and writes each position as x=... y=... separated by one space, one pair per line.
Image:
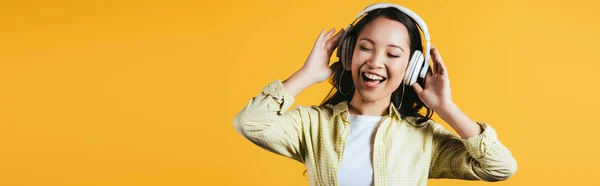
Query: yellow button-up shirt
x=404 y=152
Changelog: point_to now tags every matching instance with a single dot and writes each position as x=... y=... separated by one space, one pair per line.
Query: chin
x=370 y=96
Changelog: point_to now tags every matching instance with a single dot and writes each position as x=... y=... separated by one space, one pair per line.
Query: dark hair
x=411 y=103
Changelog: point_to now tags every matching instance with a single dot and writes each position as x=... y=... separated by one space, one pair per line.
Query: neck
x=359 y=106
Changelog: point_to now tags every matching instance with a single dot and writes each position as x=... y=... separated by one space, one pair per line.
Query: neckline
x=364 y=117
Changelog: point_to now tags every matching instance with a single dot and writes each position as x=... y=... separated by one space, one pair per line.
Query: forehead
x=385 y=31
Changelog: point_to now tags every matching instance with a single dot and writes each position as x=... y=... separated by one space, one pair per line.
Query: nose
x=376 y=61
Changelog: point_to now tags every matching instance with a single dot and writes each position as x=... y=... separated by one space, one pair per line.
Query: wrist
x=306 y=77
x=296 y=83
x=447 y=108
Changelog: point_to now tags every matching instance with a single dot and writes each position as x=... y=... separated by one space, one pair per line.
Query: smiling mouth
x=372 y=79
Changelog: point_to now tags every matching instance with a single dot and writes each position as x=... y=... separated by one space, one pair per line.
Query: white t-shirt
x=357 y=164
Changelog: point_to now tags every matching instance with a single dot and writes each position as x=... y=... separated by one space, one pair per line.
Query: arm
x=480 y=157
x=265 y=120
x=476 y=153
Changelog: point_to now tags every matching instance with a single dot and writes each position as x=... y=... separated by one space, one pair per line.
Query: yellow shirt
x=404 y=152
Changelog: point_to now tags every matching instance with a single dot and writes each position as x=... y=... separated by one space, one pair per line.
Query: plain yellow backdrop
x=144 y=92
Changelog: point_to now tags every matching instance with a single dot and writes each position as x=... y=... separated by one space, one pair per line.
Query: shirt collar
x=342 y=108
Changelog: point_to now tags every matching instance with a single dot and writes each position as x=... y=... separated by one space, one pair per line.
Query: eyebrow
x=390 y=45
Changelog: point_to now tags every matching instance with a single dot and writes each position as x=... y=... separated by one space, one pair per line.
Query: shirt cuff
x=483 y=144
x=277 y=92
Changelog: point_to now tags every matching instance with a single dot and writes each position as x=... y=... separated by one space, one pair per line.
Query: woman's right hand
x=317 y=66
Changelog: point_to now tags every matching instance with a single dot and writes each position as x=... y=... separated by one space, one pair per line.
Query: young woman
x=369 y=131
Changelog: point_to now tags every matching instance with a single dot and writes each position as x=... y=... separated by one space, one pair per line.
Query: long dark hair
x=411 y=105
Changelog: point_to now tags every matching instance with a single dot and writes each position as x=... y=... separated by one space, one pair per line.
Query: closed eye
x=363 y=48
x=393 y=56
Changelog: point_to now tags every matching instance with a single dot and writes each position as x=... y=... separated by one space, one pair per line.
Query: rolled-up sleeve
x=266 y=122
x=480 y=157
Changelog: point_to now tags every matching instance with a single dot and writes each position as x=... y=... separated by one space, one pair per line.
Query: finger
x=334 y=42
x=321 y=43
x=417 y=87
x=429 y=73
x=434 y=68
x=330 y=33
x=319 y=38
x=437 y=59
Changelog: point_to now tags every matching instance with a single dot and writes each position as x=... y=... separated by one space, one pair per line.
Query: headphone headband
x=408 y=12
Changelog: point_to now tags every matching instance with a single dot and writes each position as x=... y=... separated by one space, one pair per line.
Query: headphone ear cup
x=349 y=51
x=418 y=67
x=340 y=48
x=409 y=69
x=343 y=50
x=413 y=69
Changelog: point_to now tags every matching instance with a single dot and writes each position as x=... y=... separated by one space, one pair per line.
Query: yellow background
x=144 y=92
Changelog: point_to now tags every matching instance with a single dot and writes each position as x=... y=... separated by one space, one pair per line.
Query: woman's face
x=380 y=58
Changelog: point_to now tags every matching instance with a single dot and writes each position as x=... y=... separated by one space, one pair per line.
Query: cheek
x=400 y=67
x=357 y=56
x=397 y=69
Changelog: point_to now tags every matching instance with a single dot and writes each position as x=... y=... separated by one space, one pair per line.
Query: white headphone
x=418 y=63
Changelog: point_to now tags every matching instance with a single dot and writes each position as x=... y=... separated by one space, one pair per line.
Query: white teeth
x=373 y=76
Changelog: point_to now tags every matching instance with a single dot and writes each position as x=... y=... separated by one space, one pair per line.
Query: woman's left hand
x=436 y=94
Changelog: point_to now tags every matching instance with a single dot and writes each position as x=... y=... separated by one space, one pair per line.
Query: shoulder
x=326 y=112
x=331 y=109
x=322 y=110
